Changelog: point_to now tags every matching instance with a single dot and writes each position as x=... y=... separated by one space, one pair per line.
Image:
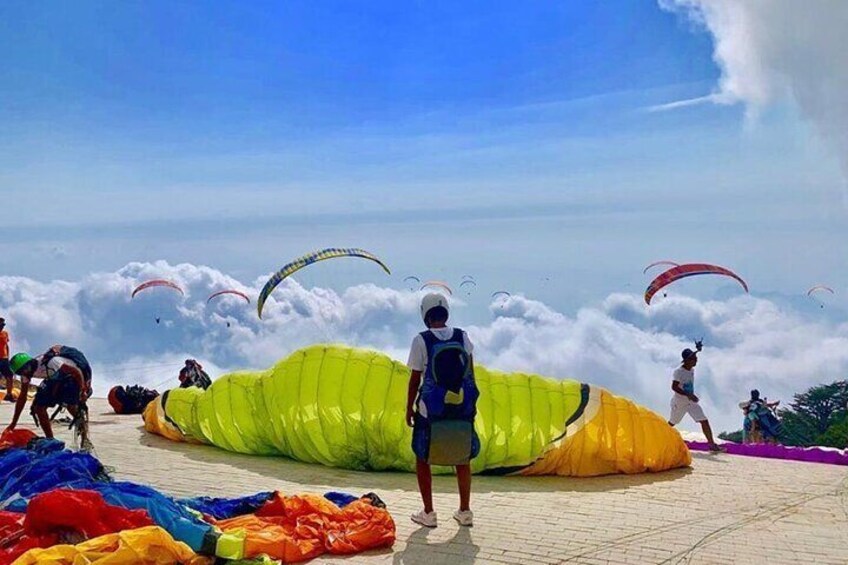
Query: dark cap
x=687 y=353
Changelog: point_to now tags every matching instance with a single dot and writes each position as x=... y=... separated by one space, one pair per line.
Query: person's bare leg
x=44 y=421
x=425 y=484
x=9 y=392
x=463 y=480
x=708 y=431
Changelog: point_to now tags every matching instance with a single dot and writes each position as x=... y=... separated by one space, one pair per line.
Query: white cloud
x=769 y=50
x=620 y=344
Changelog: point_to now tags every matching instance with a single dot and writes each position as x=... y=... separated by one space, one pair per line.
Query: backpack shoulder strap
x=458 y=336
x=429 y=339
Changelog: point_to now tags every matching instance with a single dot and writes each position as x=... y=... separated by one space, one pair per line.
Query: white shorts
x=680 y=406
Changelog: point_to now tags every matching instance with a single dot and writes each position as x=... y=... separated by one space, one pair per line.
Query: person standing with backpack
x=441 y=406
x=66 y=381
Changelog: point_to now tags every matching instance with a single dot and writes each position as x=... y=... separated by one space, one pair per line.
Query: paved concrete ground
x=724 y=509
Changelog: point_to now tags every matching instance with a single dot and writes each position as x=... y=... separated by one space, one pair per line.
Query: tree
x=836 y=435
x=735 y=437
x=797 y=429
x=821 y=406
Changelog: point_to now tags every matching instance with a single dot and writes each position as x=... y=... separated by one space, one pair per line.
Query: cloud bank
x=620 y=344
x=770 y=50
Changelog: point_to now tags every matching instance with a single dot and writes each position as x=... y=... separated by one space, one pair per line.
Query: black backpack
x=72 y=354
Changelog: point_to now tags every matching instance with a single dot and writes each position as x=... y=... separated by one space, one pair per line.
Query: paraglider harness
x=132 y=399
x=449 y=394
x=79 y=423
x=194 y=375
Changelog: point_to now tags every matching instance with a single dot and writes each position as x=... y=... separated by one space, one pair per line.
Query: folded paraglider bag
x=130 y=400
x=450 y=442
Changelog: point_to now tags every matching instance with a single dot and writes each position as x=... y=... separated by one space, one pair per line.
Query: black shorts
x=55 y=390
x=5 y=369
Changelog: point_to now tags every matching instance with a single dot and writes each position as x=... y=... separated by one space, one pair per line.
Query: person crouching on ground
x=684 y=400
x=441 y=406
x=66 y=380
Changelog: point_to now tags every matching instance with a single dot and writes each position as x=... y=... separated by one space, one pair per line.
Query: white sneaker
x=427 y=519
x=464 y=517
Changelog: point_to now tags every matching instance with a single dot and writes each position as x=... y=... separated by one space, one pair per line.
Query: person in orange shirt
x=5 y=371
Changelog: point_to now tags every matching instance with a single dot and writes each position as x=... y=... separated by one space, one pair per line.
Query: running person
x=684 y=400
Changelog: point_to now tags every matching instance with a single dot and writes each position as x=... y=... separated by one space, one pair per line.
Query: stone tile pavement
x=724 y=509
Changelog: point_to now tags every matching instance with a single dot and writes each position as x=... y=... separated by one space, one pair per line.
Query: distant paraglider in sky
x=309 y=259
x=820 y=288
x=226 y=292
x=501 y=296
x=157 y=283
x=412 y=282
x=689 y=270
x=437 y=284
x=817 y=289
x=469 y=285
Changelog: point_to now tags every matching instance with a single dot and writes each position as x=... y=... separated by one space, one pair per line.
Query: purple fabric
x=811 y=454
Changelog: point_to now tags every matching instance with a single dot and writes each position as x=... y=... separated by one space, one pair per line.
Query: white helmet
x=432 y=300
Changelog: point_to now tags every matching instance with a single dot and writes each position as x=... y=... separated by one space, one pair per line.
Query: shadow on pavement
x=282 y=468
x=712 y=457
x=418 y=549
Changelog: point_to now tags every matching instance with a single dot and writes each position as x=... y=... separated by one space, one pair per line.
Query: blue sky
x=441 y=135
x=529 y=144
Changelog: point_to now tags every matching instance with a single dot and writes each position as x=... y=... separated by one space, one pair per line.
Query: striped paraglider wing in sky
x=688 y=270
x=305 y=261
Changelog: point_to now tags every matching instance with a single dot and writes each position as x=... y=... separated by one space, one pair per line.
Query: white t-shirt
x=43 y=371
x=418 y=352
x=686 y=378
